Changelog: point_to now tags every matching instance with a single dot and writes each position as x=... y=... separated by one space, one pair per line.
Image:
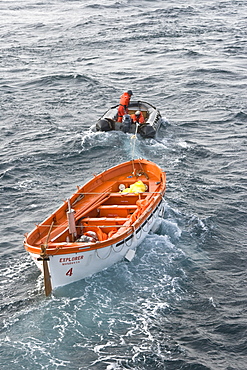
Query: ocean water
x=181 y=303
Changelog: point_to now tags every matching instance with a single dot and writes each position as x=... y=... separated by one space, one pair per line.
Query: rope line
x=134 y=143
x=103 y=258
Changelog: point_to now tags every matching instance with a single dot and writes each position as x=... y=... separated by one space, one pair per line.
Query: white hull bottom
x=68 y=268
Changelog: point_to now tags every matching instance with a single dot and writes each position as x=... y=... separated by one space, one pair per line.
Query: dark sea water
x=182 y=301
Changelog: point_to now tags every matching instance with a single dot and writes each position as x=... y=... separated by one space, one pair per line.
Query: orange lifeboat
x=103 y=222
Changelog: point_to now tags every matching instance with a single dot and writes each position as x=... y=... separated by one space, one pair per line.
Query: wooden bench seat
x=101 y=221
x=112 y=210
x=118 y=206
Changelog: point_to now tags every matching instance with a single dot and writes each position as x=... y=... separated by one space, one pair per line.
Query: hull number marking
x=69 y=272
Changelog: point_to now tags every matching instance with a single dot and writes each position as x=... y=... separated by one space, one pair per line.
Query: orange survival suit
x=123 y=104
x=138 y=117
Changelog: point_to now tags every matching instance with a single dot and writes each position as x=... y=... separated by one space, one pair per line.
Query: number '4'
x=69 y=272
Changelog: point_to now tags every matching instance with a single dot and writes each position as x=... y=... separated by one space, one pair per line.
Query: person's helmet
x=137 y=113
x=130 y=92
x=91 y=235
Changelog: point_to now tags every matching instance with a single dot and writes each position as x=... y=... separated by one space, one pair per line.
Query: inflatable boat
x=152 y=120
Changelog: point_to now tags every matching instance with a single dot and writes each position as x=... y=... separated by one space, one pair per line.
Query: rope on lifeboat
x=139 y=235
x=162 y=210
x=103 y=258
x=155 y=214
x=117 y=250
x=152 y=217
x=147 y=223
x=125 y=242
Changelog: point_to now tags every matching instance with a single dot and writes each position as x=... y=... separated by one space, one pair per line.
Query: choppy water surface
x=181 y=302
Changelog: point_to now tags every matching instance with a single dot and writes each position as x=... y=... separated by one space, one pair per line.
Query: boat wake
x=101 y=308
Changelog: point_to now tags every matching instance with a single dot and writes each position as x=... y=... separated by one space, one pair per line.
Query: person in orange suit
x=123 y=104
x=138 y=117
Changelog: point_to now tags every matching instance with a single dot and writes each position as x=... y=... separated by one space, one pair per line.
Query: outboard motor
x=105 y=124
x=146 y=131
x=126 y=123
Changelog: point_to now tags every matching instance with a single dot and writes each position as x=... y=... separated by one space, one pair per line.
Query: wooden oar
x=45 y=258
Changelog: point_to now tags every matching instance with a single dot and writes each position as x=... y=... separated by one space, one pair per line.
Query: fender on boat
x=105 y=124
x=146 y=131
